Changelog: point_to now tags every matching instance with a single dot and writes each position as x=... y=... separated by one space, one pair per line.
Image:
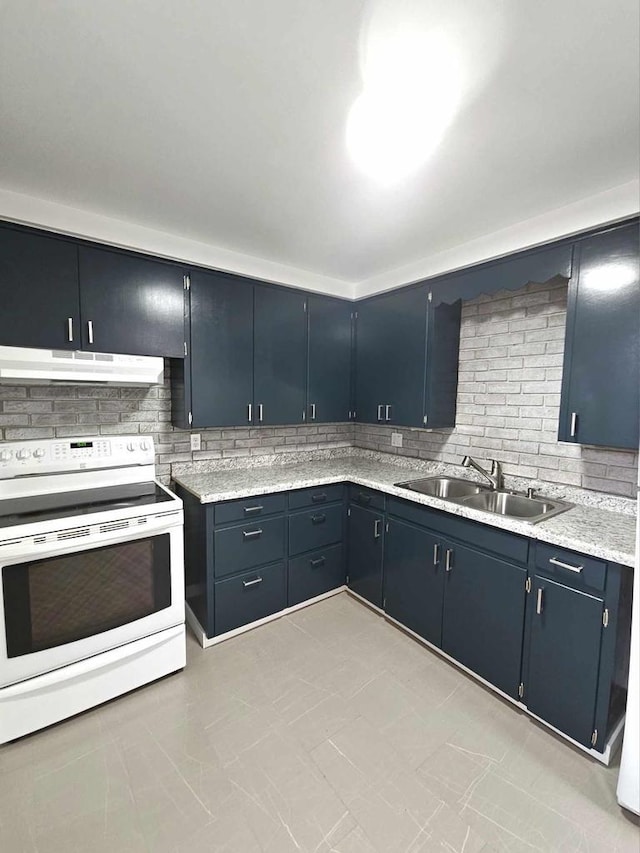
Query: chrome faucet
x=495 y=477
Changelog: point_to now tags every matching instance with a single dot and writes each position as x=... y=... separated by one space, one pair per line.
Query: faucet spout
x=495 y=477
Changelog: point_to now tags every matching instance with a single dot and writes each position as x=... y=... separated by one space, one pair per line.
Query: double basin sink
x=476 y=496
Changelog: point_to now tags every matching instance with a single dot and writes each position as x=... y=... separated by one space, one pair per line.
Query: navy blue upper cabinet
x=413 y=579
x=221 y=350
x=329 y=380
x=484 y=605
x=390 y=354
x=39 y=291
x=280 y=356
x=130 y=304
x=407 y=359
x=600 y=390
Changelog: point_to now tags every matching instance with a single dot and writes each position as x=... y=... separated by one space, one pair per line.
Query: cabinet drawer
x=315 y=573
x=315 y=528
x=249 y=508
x=316 y=497
x=247 y=545
x=366 y=497
x=577 y=569
x=250 y=596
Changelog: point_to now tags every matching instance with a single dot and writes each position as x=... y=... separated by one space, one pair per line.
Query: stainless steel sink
x=467 y=493
x=448 y=488
x=517 y=506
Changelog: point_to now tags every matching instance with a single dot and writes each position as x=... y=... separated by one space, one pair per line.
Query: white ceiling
x=220 y=125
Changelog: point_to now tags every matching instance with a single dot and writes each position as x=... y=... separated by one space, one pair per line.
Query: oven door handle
x=66 y=674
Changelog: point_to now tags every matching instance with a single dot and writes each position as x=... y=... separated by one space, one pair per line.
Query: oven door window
x=59 y=600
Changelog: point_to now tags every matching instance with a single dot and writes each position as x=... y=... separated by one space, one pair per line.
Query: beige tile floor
x=327 y=730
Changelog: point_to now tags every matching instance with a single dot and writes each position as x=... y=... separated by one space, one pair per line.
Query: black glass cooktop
x=16 y=511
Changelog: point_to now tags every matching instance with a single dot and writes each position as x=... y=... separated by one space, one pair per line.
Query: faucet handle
x=531 y=492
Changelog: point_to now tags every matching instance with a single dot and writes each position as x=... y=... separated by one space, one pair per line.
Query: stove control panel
x=55 y=455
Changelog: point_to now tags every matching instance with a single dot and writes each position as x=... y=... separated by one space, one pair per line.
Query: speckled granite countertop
x=589 y=529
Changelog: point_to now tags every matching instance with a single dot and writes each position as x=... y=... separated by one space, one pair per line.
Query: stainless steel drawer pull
x=539 y=601
x=376 y=528
x=380 y=408
x=574 y=424
x=257 y=508
x=448 y=559
x=260 y=412
x=436 y=554
x=90 y=330
x=319 y=562
x=387 y=413
x=249 y=412
x=556 y=562
x=318 y=519
x=251 y=583
x=319 y=498
x=251 y=534
x=313 y=411
x=70 y=329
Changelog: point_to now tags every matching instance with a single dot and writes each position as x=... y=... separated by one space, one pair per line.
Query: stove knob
x=5 y=455
x=39 y=452
x=23 y=454
x=144 y=445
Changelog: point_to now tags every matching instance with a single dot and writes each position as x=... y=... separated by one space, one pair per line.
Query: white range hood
x=21 y=366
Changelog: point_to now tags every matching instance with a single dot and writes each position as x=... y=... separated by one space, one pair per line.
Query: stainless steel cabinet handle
x=318 y=498
x=318 y=519
x=319 y=562
x=387 y=413
x=448 y=559
x=251 y=583
x=260 y=411
x=574 y=424
x=436 y=554
x=249 y=412
x=256 y=508
x=250 y=534
x=555 y=562
x=376 y=528
x=539 y=601
x=313 y=411
x=70 y=329
x=380 y=408
x=90 y=330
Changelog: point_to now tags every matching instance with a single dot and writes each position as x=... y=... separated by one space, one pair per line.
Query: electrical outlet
x=396 y=439
x=195 y=441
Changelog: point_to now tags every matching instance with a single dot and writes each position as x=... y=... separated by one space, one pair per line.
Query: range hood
x=21 y=366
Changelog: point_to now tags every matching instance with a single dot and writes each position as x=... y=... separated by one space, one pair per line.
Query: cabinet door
x=39 y=291
x=329 y=381
x=364 y=561
x=221 y=354
x=413 y=579
x=280 y=356
x=443 y=347
x=130 y=304
x=564 y=657
x=391 y=349
x=483 y=622
x=601 y=379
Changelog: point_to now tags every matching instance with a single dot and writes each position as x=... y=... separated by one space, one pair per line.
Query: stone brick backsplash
x=28 y=412
x=511 y=352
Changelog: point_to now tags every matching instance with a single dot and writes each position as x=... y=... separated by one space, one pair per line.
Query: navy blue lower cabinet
x=252 y=595
x=365 y=551
x=315 y=573
x=484 y=609
x=414 y=579
x=315 y=528
x=247 y=545
x=564 y=657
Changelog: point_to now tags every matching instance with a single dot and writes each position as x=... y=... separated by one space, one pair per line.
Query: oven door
x=66 y=600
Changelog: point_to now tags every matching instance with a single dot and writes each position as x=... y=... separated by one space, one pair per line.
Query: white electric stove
x=91 y=576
